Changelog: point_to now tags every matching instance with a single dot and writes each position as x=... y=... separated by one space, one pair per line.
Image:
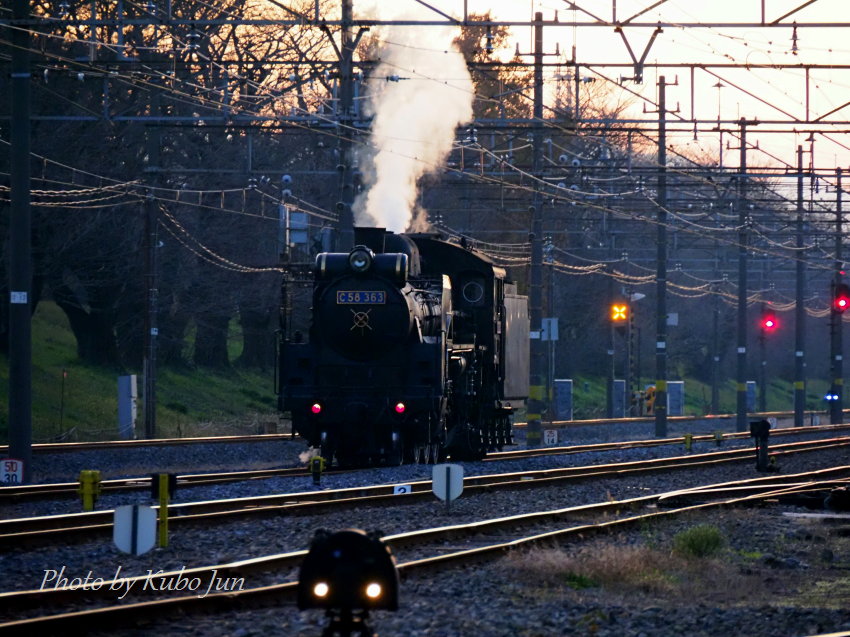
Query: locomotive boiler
x=417 y=350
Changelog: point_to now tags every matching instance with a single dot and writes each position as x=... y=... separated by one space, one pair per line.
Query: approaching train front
x=367 y=387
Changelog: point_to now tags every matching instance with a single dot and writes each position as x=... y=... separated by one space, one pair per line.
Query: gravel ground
x=777 y=558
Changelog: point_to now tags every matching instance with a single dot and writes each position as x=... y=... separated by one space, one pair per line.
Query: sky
x=774 y=94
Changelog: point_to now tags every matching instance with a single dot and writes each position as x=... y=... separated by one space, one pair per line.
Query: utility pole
x=762 y=365
x=345 y=230
x=549 y=259
x=20 y=247
x=536 y=394
x=151 y=241
x=836 y=341
x=715 y=355
x=799 y=310
x=661 y=273
x=741 y=376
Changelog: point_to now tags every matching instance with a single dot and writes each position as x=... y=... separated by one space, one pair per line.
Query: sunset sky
x=777 y=94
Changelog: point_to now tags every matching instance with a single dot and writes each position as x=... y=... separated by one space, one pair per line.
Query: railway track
x=61 y=447
x=427 y=548
x=27 y=492
x=86 y=526
x=18 y=493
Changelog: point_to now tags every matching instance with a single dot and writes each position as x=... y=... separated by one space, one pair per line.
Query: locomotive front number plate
x=354 y=297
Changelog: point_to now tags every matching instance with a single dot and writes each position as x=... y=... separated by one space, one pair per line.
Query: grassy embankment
x=195 y=402
x=191 y=402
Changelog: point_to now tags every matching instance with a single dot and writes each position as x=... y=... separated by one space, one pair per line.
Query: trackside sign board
x=447 y=481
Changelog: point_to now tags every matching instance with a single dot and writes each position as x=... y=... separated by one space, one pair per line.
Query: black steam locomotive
x=416 y=349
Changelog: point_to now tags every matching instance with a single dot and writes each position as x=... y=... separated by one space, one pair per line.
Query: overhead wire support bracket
x=637 y=78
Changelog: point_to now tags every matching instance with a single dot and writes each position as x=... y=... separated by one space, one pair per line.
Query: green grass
x=702 y=540
x=237 y=400
x=84 y=403
x=589 y=397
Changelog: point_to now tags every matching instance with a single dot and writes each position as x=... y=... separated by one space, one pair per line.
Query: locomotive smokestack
x=372 y=238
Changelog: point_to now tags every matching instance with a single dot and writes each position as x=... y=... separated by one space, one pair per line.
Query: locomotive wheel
x=327 y=452
x=395 y=457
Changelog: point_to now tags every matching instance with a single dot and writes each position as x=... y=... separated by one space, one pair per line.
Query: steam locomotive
x=417 y=346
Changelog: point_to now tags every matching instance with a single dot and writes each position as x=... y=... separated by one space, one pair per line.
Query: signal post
x=836 y=346
x=767 y=323
x=618 y=314
x=840 y=303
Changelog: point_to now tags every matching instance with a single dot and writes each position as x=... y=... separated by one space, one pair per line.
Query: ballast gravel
x=796 y=576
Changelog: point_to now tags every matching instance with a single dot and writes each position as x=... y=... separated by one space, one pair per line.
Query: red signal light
x=400 y=407
x=841 y=298
x=768 y=320
x=316 y=408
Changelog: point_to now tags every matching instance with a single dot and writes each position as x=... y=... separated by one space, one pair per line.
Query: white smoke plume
x=419 y=93
x=306 y=456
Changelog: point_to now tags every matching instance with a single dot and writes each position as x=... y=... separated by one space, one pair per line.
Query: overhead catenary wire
x=603 y=208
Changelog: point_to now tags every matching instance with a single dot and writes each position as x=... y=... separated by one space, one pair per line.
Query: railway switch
x=348 y=573
x=89 y=488
x=317 y=465
x=760 y=430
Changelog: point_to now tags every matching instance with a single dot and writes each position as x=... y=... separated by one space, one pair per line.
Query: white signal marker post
x=447 y=482
x=134 y=529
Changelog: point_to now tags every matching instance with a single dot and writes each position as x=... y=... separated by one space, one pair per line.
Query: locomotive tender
x=416 y=349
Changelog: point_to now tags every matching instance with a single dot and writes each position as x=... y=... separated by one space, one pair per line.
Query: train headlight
x=321 y=589
x=400 y=407
x=374 y=590
x=360 y=259
x=316 y=408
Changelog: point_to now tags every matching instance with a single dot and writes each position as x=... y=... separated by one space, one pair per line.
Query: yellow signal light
x=619 y=312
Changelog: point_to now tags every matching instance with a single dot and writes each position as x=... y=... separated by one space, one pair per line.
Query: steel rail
x=758 y=489
x=53 y=447
x=52 y=490
x=653 y=442
x=13 y=493
x=85 y=526
x=183 y=510
x=60 y=447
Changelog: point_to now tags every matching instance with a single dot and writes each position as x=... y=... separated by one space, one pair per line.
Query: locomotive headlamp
x=360 y=259
x=399 y=408
x=316 y=408
x=374 y=590
x=321 y=589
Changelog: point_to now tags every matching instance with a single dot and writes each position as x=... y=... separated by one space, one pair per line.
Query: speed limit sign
x=13 y=471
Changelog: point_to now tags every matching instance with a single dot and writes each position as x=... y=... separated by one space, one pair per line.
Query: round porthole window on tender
x=473 y=292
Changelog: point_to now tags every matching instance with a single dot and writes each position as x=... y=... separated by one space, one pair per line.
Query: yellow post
x=718 y=438
x=163 y=510
x=317 y=465
x=689 y=441
x=89 y=488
